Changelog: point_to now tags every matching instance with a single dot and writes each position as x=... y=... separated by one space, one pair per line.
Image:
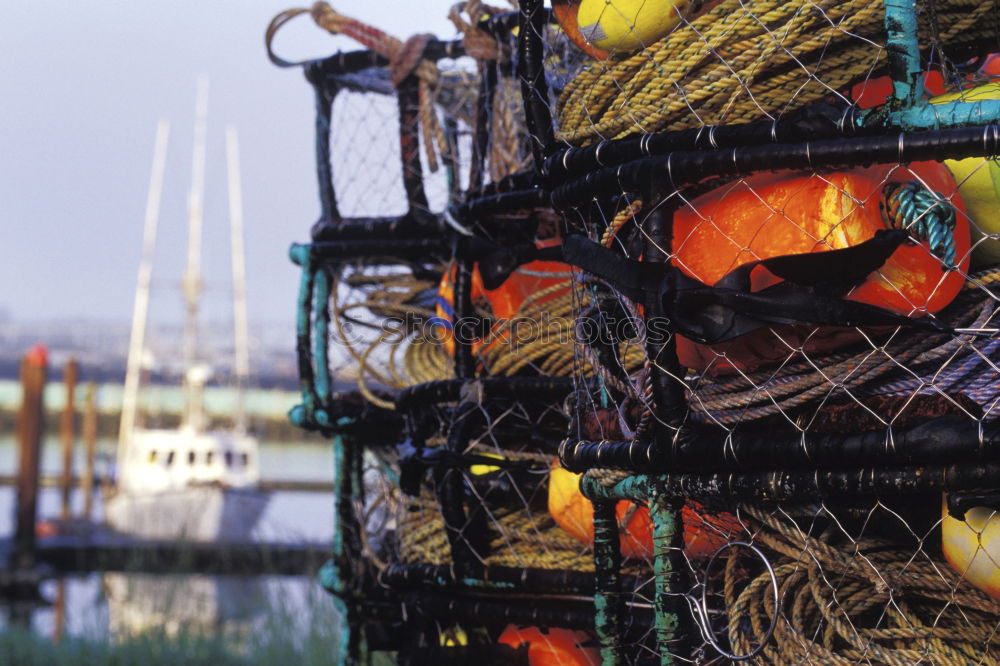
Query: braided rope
x=925 y=214
x=405 y=58
x=797 y=383
x=741 y=61
x=864 y=603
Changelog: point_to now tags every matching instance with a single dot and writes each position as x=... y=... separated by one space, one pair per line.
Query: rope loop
x=478 y=43
x=927 y=215
x=700 y=610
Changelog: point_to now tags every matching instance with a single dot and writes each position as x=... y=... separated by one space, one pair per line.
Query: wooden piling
x=67 y=436
x=59 y=623
x=30 y=425
x=89 y=428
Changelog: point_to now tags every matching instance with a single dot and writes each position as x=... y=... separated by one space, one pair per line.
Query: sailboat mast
x=141 y=306
x=192 y=282
x=241 y=335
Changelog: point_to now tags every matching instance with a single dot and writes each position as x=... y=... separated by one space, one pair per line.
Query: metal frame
x=906 y=128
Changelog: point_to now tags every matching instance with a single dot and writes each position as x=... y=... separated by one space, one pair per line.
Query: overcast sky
x=82 y=86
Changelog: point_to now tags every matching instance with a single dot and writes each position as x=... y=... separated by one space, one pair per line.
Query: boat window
x=229 y=458
x=170 y=459
x=190 y=457
x=246 y=459
x=208 y=457
x=152 y=455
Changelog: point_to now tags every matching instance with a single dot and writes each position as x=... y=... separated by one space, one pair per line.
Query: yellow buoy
x=972 y=547
x=626 y=26
x=979 y=184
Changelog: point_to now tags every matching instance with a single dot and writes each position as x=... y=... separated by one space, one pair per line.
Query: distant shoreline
x=161 y=406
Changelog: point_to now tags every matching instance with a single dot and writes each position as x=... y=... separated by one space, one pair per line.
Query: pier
x=66 y=544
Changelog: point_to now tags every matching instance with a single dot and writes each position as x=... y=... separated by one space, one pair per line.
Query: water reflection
x=245 y=611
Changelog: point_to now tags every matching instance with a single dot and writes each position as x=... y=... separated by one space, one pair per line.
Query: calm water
x=100 y=606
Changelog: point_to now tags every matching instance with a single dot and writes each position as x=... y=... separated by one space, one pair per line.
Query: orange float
x=553 y=646
x=704 y=533
x=565 y=13
x=873 y=92
x=504 y=302
x=768 y=215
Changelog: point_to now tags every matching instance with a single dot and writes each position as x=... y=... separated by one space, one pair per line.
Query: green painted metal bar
x=638 y=487
x=926 y=116
x=300 y=415
x=608 y=607
x=666 y=534
x=338 y=575
x=321 y=338
x=903 y=52
x=667 y=537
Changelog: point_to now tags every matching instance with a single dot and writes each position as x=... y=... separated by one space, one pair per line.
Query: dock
x=104 y=551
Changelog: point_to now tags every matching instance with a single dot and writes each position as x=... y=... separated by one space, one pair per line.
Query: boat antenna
x=241 y=335
x=192 y=282
x=141 y=306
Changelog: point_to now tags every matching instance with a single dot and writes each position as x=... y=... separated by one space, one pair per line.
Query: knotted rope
x=478 y=44
x=405 y=59
x=925 y=214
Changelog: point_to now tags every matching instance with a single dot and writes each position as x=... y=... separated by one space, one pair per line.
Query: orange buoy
x=553 y=646
x=768 y=215
x=503 y=304
x=565 y=12
x=575 y=513
x=704 y=533
x=873 y=92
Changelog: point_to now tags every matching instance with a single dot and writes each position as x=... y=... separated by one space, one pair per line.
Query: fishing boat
x=189 y=482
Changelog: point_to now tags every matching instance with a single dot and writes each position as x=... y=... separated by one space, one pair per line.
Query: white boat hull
x=190 y=513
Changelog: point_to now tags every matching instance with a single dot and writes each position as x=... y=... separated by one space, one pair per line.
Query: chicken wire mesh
x=686 y=354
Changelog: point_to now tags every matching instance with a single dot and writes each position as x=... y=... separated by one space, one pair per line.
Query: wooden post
x=90 y=443
x=30 y=425
x=59 y=625
x=67 y=434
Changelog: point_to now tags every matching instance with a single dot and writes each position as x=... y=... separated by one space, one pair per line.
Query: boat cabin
x=170 y=459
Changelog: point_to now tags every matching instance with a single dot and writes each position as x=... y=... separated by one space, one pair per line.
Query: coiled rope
x=799 y=383
x=864 y=602
x=746 y=60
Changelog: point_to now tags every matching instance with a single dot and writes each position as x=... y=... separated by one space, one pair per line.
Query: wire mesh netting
x=673 y=328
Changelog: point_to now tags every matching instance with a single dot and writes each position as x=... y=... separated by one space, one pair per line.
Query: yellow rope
x=746 y=60
x=865 y=603
x=623 y=216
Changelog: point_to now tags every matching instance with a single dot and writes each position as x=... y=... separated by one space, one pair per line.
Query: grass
x=299 y=630
x=156 y=648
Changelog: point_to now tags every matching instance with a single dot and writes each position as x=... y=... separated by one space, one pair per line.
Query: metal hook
x=597 y=153
x=700 y=607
